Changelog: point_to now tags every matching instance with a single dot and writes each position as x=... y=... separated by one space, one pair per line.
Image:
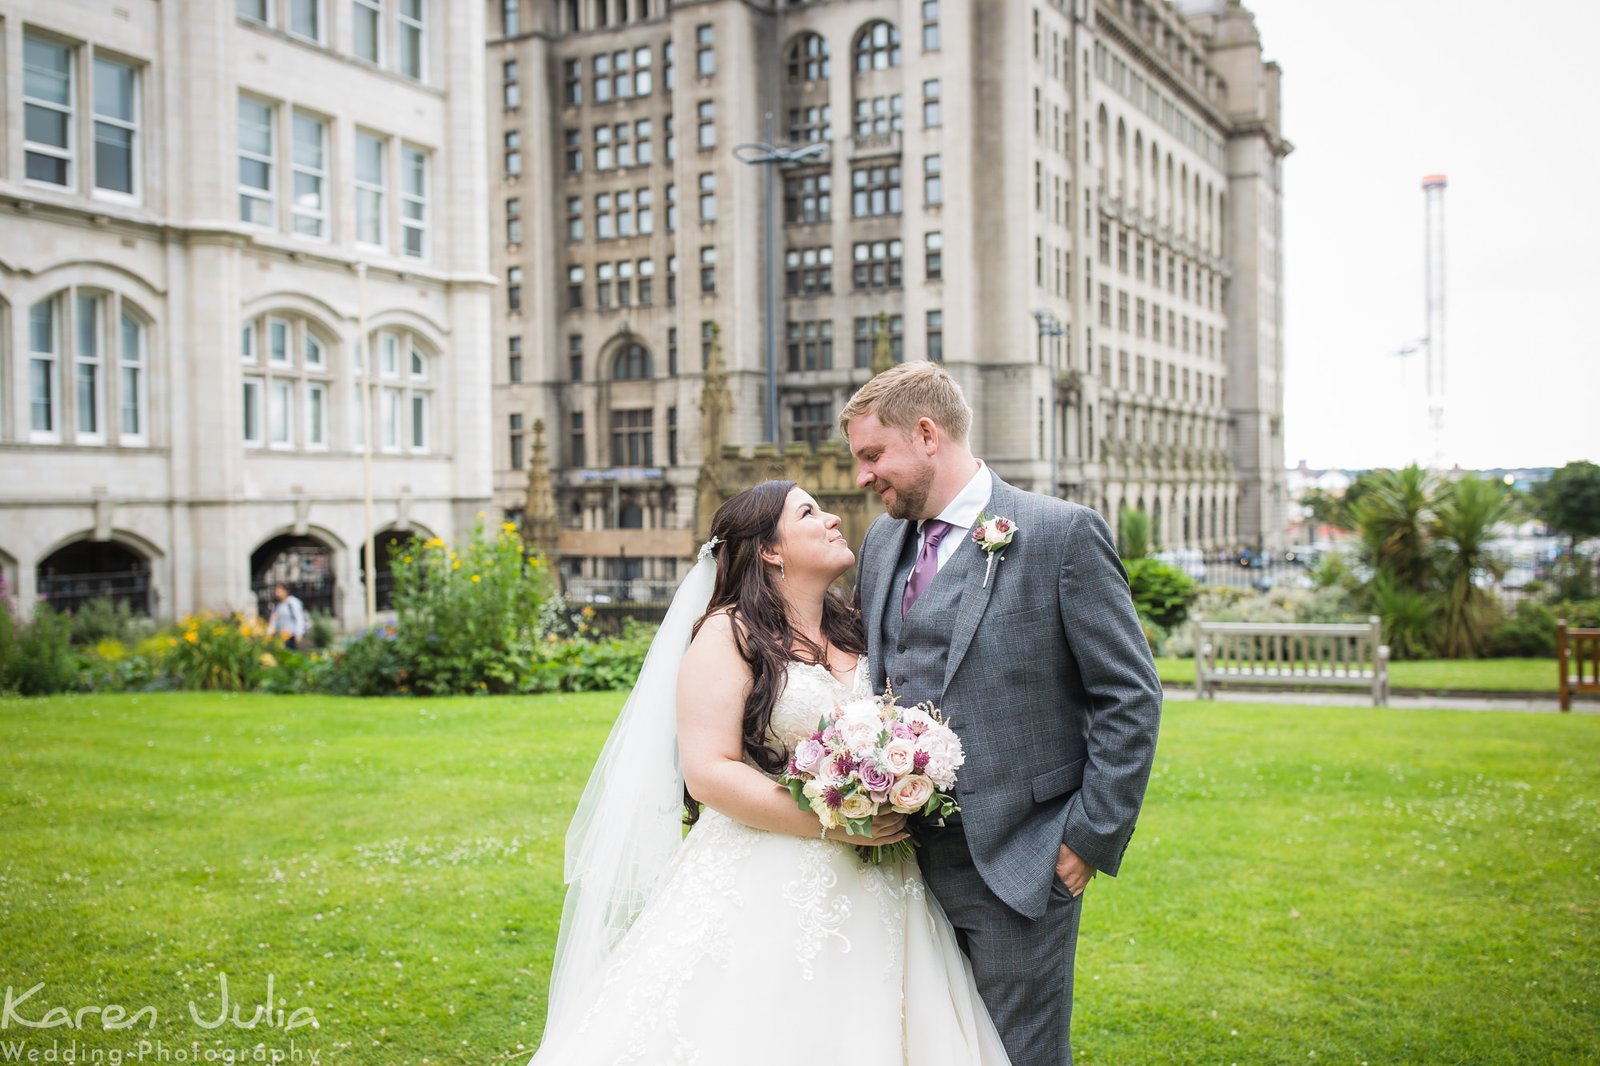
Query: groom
x=1036 y=656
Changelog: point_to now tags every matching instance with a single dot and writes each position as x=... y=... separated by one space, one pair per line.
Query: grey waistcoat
x=919 y=644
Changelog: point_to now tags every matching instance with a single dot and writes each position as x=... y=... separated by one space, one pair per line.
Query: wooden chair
x=1578 y=659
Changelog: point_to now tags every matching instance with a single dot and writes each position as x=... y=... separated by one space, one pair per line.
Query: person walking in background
x=288 y=617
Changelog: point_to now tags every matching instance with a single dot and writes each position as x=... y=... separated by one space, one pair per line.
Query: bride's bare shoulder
x=717 y=640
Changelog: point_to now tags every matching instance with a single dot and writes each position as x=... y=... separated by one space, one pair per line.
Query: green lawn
x=1308 y=884
x=1440 y=675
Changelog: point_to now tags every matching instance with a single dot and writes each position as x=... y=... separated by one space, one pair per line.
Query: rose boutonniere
x=993 y=535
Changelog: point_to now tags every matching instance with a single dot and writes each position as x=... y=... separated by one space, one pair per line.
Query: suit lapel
x=885 y=557
x=975 y=599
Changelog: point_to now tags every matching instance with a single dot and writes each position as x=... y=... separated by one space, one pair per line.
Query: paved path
x=1398 y=701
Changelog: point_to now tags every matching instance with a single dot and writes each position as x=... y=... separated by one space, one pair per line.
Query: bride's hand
x=886 y=829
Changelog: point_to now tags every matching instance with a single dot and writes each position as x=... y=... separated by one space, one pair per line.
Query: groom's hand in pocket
x=1073 y=871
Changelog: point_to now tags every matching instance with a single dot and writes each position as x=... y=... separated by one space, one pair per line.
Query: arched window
x=88 y=360
x=632 y=363
x=877 y=47
x=808 y=58
x=288 y=382
x=1122 y=160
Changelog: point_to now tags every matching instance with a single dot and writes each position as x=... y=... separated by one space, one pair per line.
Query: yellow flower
x=405 y=558
x=456 y=565
x=509 y=527
x=268 y=661
x=244 y=630
x=192 y=637
x=474 y=579
x=433 y=542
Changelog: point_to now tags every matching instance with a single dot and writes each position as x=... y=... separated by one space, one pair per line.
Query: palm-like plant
x=1392 y=517
x=1410 y=622
x=1465 y=516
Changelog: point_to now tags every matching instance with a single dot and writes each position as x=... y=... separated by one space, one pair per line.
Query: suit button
x=901 y=648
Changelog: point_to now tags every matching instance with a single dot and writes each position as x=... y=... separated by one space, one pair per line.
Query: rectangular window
x=933 y=252
x=366 y=22
x=513 y=153
x=672 y=436
x=875 y=190
x=305 y=19
x=936 y=336
x=646 y=215
x=622 y=80
x=575 y=356
x=623 y=135
x=708 y=336
x=672 y=280
x=255 y=163
x=708 y=270
x=672 y=208
x=810 y=125
x=641 y=143
x=625 y=283
x=409 y=22
x=810 y=344
x=867 y=331
x=668 y=78
x=575 y=441
x=604 y=158
x=130 y=392
x=671 y=138
x=280 y=413
x=808 y=197
x=631 y=443
x=932 y=114
x=604 y=221
x=370 y=182
x=252 y=411
x=87 y=375
x=514 y=360
x=513 y=220
x=48 y=104
x=514 y=440
x=810 y=423
x=602 y=78
x=808 y=271
x=310 y=163
x=932 y=179
x=414 y=201
x=389 y=420
x=574 y=288
x=708 y=197
x=603 y=273
x=43 y=347
x=255 y=10
x=514 y=289
x=278 y=342
x=574 y=218
x=647 y=282
x=879 y=115
x=573 y=149
x=930 y=25
x=510 y=87
x=572 y=82
x=642 y=81
x=316 y=415
x=876 y=265
x=115 y=111
x=419 y=421
x=707 y=112
x=705 y=56
x=672 y=351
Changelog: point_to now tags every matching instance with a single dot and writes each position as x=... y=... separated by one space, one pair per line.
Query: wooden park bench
x=1578 y=658
x=1276 y=654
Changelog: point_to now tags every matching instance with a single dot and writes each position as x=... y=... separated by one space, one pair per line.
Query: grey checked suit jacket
x=1051 y=686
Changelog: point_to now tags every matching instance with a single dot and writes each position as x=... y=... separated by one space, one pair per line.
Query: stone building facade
x=204 y=206
x=1073 y=204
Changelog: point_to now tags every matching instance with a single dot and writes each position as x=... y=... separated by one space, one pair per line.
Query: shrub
x=36 y=656
x=1161 y=593
x=217 y=652
x=1410 y=619
x=322 y=633
x=468 y=617
x=104 y=618
x=584 y=665
x=1530 y=632
x=369 y=665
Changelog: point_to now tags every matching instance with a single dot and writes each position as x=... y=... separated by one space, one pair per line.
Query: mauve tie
x=933 y=532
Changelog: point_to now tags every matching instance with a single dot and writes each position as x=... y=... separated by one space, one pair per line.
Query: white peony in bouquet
x=868 y=756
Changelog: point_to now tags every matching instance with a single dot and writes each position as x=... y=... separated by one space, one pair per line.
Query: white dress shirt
x=962 y=514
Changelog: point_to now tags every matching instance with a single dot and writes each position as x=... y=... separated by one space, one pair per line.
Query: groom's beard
x=910 y=496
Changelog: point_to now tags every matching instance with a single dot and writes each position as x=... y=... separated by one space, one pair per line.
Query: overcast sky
x=1500 y=98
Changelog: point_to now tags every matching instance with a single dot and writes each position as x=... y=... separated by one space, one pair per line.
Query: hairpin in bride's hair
x=710 y=547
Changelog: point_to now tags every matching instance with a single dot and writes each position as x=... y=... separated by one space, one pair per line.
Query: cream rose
x=909 y=794
x=856 y=805
x=898 y=757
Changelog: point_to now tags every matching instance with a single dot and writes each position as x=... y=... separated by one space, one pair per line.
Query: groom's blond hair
x=902 y=394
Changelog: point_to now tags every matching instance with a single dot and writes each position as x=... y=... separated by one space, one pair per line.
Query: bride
x=754 y=933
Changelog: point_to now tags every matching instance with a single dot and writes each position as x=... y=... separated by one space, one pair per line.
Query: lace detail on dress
x=809 y=691
x=677 y=935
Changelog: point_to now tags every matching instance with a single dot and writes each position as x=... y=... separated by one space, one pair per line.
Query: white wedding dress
x=759 y=945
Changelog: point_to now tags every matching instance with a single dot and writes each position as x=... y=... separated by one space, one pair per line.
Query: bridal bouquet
x=868 y=756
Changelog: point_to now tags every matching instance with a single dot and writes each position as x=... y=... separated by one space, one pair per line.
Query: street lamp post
x=772 y=156
x=1050 y=326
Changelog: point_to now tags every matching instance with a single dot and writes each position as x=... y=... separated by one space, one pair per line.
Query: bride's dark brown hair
x=747 y=589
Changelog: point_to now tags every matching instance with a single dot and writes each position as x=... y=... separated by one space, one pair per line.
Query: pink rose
x=909 y=794
x=899 y=756
x=808 y=755
x=901 y=731
x=874 y=778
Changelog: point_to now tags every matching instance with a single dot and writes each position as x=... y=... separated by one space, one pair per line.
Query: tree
x=1465 y=516
x=1392 y=513
x=1569 y=502
x=1326 y=508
